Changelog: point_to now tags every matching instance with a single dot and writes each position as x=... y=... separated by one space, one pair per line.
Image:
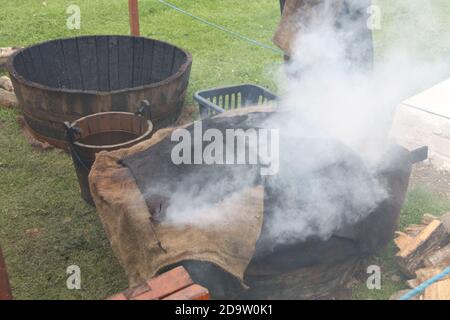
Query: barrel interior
x=99 y=63
x=111 y=129
x=104 y=132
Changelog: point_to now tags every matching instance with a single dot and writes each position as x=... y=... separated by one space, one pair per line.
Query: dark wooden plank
x=125 y=62
x=88 y=103
x=41 y=75
x=52 y=57
x=114 y=63
x=102 y=63
x=147 y=63
x=158 y=60
x=88 y=62
x=72 y=63
x=19 y=64
x=119 y=102
x=179 y=59
x=29 y=66
x=138 y=61
x=64 y=79
x=54 y=103
x=168 y=61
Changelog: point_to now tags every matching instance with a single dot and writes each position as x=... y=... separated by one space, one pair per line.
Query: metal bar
x=5 y=288
x=420 y=154
x=133 y=7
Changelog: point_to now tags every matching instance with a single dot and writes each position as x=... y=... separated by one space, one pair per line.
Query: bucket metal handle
x=71 y=133
x=144 y=110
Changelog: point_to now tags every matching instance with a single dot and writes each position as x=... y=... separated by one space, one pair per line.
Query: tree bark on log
x=425 y=274
x=428 y=218
x=438 y=258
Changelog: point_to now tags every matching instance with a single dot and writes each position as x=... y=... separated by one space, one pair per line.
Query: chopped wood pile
x=424 y=252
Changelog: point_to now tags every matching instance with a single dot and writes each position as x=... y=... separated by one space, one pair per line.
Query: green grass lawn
x=39 y=189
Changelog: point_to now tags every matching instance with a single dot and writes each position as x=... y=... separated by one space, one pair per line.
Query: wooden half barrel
x=105 y=131
x=66 y=79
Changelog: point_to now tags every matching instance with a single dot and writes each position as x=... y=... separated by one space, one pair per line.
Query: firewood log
x=8 y=99
x=410 y=258
x=438 y=291
x=424 y=274
x=414 y=229
x=403 y=240
x=6 y=83
x=413 y=283
x=446 y=222
x=428 y=218
x=438 y=258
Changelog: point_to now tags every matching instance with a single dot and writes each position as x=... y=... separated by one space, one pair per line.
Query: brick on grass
x=175 y=284
x=194 y=292
x=119 y=296
x=166 y=284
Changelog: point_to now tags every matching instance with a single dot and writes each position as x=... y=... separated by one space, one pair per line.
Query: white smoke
x=332 y=96
x=335 y=95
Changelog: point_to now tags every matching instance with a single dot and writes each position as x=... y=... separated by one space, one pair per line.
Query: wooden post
x=5 y=288
x=133 y=7
x=282 y=2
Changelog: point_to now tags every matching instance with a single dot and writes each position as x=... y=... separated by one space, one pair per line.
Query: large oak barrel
x=66 y=79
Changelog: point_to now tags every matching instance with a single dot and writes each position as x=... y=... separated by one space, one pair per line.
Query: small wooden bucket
x=105 y=131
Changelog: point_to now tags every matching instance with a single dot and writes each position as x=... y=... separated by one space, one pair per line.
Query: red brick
x=119 y=296
x=170 y=282
x=194 y=292
x=166 y=284
x=136 y=291
x=149 y=295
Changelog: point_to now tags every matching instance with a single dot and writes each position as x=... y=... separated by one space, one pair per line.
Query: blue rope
x=426 y=284
x=232 y=33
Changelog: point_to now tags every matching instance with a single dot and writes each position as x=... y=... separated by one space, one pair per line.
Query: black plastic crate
x=218 y=100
